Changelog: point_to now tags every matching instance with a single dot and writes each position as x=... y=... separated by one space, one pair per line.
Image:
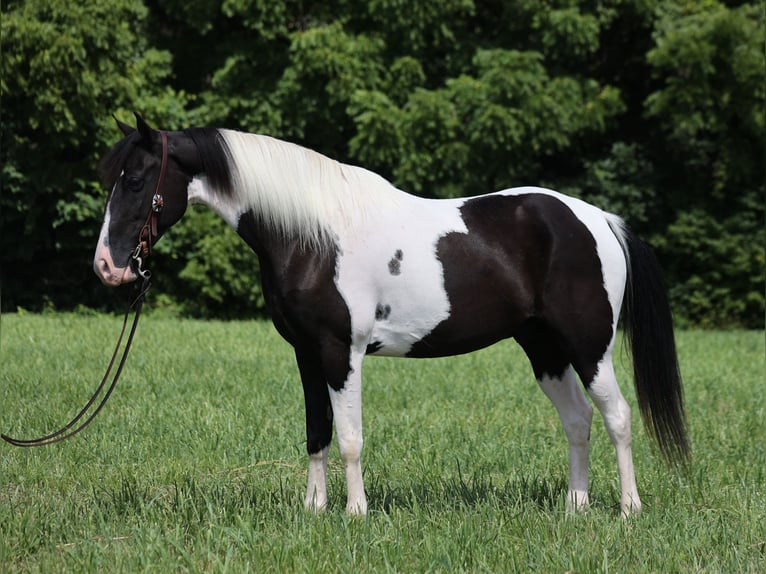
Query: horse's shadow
x=455 y=492
x=189 y=497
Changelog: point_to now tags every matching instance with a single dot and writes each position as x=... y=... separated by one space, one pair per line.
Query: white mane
x=299 y=192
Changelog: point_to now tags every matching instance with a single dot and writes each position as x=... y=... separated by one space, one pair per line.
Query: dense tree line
x=653 y=109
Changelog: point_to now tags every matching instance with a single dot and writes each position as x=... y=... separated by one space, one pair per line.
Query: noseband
x=142 y=251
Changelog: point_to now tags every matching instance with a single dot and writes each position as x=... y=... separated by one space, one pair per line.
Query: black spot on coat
x=395 y=265
x=382 y=312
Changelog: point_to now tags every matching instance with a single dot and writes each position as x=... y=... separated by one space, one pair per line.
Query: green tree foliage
x=489 y=128
x=653 y=109
x=708 y=114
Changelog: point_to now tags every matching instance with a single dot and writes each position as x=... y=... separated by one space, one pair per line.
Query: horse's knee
x=315 y=444
x=618 y=423
x=350 y=448
x=575 y=411
x=613 y=407
x=577 y=426
x=617 y=420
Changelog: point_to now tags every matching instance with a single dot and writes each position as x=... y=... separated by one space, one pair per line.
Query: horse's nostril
x=102 y=268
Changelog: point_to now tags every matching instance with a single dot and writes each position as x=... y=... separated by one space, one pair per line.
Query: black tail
x=649 y=330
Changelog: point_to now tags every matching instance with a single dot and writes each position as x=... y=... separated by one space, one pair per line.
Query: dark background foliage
x=651 y=109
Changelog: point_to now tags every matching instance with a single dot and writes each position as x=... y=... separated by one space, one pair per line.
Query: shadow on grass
x=197 y=502
x=459 y=492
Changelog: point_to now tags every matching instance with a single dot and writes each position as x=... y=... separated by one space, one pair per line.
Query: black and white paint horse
x=353 y=266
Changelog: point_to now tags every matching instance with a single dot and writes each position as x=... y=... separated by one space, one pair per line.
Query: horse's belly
x=405 y=314
x=398 y=341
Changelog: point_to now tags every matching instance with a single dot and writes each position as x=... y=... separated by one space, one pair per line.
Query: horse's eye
x=133 y=183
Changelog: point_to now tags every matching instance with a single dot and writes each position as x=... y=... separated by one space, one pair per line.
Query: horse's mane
x=298 y=192
x=215 y=157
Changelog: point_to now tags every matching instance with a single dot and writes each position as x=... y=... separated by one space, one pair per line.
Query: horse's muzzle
x=108 y=272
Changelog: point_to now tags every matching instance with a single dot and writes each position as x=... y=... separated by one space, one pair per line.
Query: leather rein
x=140 y=254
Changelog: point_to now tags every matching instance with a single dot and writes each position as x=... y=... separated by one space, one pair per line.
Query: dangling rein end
x=68 y=430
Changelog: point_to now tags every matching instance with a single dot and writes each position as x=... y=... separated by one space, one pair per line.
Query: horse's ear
x=124 y=128
x=143 y=128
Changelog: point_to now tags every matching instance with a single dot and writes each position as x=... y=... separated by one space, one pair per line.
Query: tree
x=487 y=129
x=708 y=124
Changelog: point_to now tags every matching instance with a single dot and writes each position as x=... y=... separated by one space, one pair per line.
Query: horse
x=352 y=266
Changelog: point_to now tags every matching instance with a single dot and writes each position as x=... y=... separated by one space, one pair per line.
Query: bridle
x=142 y=251
x=149 y=230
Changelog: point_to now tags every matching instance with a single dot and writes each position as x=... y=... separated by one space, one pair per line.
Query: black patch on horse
x=214 y=156
x=374 y=347
x=382 y=312
x=111 y=165
x=309 y=312
x=300 y=290
x=395 y=265
x=527 y=268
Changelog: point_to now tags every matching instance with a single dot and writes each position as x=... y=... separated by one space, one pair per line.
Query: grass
x=197 y=464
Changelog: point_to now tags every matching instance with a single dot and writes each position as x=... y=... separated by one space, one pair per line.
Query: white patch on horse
x=405 y=278
x=576 y=415
x=316 y=489
x=103 y=236
x=228 y=208
x=103 y=263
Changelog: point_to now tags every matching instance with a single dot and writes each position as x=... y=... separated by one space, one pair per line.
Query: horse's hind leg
x=559 y=382
x=576 y=414
x=607 y=397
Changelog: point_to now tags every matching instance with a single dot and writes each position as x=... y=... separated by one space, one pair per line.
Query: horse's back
x=526 y=256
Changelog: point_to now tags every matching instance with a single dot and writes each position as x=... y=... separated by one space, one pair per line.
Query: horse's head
x=148 y=173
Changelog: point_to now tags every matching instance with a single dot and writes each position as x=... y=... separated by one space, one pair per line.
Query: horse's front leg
x=346 y=400
x=318 y=427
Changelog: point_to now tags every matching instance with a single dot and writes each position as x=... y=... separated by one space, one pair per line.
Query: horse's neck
x=297 y=195
x=200 y=193
x=240 y=218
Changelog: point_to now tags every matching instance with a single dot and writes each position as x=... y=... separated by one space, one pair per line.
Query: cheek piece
x=149 y=233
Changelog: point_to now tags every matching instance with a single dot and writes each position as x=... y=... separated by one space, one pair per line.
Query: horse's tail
x=648 y=328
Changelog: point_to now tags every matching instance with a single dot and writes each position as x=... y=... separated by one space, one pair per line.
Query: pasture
x=198 y=463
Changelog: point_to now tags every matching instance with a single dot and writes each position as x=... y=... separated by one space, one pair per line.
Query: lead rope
x=62 y=433
x=139 y=254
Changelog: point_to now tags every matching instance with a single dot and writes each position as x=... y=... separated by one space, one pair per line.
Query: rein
x=141 y=252
x=64 y=432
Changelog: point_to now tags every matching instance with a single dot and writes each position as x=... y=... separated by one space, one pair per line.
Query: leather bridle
x=142 y=251
x=149 y=230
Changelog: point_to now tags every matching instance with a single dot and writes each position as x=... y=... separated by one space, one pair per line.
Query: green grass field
x=198 y=462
